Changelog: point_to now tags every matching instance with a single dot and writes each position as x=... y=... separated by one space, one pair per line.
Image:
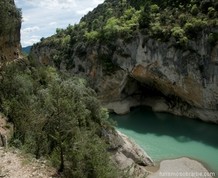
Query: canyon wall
x=145 y=71
x=10 y=19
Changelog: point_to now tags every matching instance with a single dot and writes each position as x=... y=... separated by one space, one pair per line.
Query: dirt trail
x=15 y=165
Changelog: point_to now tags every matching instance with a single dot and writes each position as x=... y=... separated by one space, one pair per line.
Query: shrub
x=204 y=5
x=194 y=26
x=145 y=16
x=183 y=19
x=190 y=29
x=194 y=10
x=154 y=8
x=92 y=36
x=213 y=38
x=199 y=23
x=183 y=41
x=177 y=32
x=211 y=12
x=156 y=30
x=111 y=28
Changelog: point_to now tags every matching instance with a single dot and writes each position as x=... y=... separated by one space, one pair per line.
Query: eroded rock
x=128 y=156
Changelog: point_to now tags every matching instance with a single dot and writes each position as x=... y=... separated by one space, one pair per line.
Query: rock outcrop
x=128 y=156
x=188 y=75
x=10 y=19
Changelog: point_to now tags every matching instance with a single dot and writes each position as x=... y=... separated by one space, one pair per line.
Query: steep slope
x=10 y=20
x=157 y=53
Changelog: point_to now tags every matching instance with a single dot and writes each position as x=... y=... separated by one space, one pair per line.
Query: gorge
x=122 y=55
x=126 y=66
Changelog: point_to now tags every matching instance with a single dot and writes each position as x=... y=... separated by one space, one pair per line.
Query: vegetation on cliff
x=57 y=117
x=10 y=24
x=179 y=21
x=9 y=16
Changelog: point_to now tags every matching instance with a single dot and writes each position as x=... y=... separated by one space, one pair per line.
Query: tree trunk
x=61 y=169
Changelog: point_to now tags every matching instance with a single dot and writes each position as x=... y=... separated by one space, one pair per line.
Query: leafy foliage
x=175 y=20
x=10 y=16
x=57 y=117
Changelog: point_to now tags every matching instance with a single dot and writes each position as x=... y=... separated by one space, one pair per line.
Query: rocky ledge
x=128 y=156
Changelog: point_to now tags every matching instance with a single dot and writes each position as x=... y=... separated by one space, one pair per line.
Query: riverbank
x=181 y=167
x=164 y=136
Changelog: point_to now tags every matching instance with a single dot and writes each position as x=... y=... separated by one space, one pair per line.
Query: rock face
x=162 y=75
x=189 y=75
x=10 y=19
x=128 y=156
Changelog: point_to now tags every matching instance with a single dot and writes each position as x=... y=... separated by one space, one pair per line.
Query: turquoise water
x=165 y=136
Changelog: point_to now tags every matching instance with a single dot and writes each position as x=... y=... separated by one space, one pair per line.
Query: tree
x=58 y=117
x=144 y=20
x=65 y=111
x=74 y=116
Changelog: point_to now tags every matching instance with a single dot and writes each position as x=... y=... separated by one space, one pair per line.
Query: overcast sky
x=42 y=17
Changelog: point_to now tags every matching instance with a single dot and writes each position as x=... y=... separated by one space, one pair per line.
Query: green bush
x=211 y=12
x=213 y=38
x=199 y=23
x=177 y=32
x=57 y=117
x=183 y=19
x=205 y=4
x=155 y=8
x=189 y=27
x=111 y=28
x=194 y=10
x=92 y=36
x=156 y=30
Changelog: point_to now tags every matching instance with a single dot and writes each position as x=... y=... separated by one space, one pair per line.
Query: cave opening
x=147 y=94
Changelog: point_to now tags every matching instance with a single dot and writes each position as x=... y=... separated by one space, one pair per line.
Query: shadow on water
x=144 y=121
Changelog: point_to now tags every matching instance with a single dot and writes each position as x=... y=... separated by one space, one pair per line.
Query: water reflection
x=144 y=121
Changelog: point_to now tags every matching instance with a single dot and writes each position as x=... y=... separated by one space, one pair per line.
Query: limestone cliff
x=10 y=19
x=183 y=81
x=186 y=79
x=10 y=24
x=144 y=57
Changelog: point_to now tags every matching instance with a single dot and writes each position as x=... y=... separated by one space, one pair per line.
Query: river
x=165 y=136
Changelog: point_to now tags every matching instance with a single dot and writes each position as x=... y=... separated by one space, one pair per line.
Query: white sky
x=42 y=17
